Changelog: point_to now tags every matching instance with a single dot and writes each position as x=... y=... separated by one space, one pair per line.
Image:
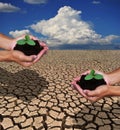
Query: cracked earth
x=41 y=97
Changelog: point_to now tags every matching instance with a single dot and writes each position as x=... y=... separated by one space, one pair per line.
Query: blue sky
x=64 y=23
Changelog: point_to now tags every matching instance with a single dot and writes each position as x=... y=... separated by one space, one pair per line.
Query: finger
x=73 y=84
x=92 y=99
x=42 y=52
x=79 y=89
x=43 y=44
x=26 y=64
x=90 y=93
x=77 y=79
x=28 y=58
x=33 y=37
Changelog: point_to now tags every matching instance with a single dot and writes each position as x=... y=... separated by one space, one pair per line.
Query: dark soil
x=28 y=49
x=90 y=84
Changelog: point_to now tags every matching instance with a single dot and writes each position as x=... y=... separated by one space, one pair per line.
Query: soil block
x=28 y=49
x=90 y=84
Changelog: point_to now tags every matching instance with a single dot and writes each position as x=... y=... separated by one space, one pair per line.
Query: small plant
x=27 y=40
x=93 y=75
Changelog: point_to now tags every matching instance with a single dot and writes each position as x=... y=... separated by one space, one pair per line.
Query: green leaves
x=27 y=40
x=93 y=75
x=98 y=76
x=89 y=77
x=21 y=42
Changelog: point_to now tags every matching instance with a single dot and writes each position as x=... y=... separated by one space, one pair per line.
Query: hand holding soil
x=89 y=80
x=100 y=92
x=30 y=45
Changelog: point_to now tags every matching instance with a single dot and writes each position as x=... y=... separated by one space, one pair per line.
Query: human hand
x=97 y=94
x=40 y=54
x=79 y=89
x=14 y=41
x=20 y=58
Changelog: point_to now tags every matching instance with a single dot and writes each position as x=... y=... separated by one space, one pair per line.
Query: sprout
x=93 y=75
x=27 y=40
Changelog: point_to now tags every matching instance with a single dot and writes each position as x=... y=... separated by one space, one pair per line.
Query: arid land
x=41 y=98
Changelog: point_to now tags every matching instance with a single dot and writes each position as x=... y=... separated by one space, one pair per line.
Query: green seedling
x=27 y=40
x=93 y=75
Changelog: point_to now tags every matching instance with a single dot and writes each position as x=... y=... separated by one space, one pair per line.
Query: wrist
x=112 y=78
x=5 y=56
x=109 y=78
x=114 y=91
x=12 y=44
x=9 y=44
x=6 y=43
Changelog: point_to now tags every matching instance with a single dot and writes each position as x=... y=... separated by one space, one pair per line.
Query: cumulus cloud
x=35 y=1
x=18 y=33
x=108 y=39
x=67 y=27
x=7 y=7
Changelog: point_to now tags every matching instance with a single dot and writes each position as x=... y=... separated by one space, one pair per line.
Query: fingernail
x=35 y=56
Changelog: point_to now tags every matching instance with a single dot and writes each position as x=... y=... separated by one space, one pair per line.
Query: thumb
x=90 y=93
x=29 y=58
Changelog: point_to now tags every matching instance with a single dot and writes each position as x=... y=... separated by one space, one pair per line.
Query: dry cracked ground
x=41 y=97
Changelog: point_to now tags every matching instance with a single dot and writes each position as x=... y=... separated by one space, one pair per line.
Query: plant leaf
x=27 y=38
x=88 y=77
x=21 y=42
x=98 y=76
x=92 y=72
x=31 y=42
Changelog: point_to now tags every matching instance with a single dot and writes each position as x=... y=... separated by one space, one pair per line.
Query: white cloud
x=67 y=27
x=96 y=2
x=7 y=7
x=108 y=39
x=35 y=1
x=18 y=33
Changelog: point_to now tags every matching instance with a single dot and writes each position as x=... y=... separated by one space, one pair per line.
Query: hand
x=98 y=93
x=79 y=89
x=21 y=59
x=14 y=41
x=42 y=52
